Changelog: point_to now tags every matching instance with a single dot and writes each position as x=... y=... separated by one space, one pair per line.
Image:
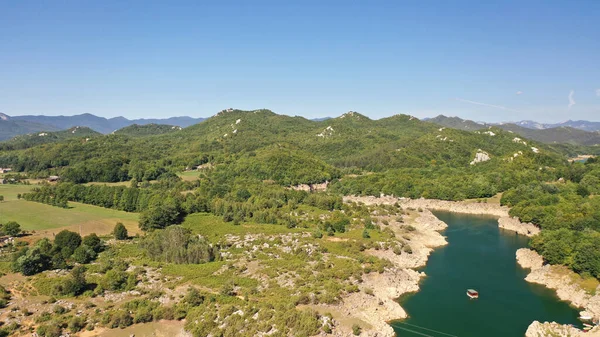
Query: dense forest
x=568 y=211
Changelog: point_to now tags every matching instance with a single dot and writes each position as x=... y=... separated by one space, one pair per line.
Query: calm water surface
x=481 y=256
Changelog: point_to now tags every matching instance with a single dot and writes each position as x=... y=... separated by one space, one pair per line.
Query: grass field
x=46 y=219
x=189 y=175
x=214 y=228
x=10 y=191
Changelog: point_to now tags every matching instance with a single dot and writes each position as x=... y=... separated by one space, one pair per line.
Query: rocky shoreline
x=505 y=221
x=563 y=282
x=546 y=275
x=376 y=302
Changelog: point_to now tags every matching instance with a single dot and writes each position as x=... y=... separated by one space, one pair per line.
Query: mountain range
x=570 y=132
x=578 y=132
x=19 y=125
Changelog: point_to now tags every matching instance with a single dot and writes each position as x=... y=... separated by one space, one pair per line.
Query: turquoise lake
x=481 y=256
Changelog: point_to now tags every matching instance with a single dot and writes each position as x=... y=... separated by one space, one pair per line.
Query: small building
x=53 y=178
x=5 y=170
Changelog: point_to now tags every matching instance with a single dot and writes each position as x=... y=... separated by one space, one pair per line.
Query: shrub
x=365 y=234
x=356 y=330
x=76 y=324
x=407 y=249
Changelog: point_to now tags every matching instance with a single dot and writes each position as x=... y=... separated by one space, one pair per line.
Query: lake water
x=481 y=256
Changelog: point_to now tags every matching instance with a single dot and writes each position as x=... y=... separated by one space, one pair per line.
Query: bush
x=356 y=330
x=114 y=280
x=52 y=330
x=76 y=324
x=407 y=249
x=397 y=249
x=365 y=234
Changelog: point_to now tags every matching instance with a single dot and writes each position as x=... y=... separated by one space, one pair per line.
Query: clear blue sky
x=309 y=58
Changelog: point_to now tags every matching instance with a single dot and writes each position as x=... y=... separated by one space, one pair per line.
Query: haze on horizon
x=485 y=62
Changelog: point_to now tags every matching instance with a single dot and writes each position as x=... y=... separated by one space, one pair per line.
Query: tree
x=11 y=228
x=92 y=241
x=1 y=198
x=120 y=232
x=159 y=216
x=67 y=241
x=84 y=254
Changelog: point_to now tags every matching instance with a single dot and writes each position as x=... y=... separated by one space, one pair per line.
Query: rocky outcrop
x=552 y=329
x=529 y=259
x=480 y=156
x=513 y=224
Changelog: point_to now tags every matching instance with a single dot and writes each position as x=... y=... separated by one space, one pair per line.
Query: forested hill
x=551 y=135
x=45 y=137
x=289 y=150
x=136 y=130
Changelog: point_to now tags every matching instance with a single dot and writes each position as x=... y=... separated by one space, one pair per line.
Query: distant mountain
x=529 y=129
x=45 y=137
x=456 y=123
x=10 y=128
x=560 y=135
x=136 y=130
x=533 y=125
x=581 y=125
x=100 y=124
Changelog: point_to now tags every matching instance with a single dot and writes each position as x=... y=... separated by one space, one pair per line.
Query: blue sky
x=521 y=59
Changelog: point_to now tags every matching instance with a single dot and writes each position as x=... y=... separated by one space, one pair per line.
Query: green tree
x=84 y=254
x=120 y=232
x=11 y=228
x=93 y=241
x=67 y=241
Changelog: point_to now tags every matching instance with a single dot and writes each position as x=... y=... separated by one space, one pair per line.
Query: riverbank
x=568 y=285
x=505 y=221
x=376 y=303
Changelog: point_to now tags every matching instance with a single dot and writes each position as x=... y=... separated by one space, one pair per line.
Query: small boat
x=585 y=318
x=588 y=325
x=472 y=293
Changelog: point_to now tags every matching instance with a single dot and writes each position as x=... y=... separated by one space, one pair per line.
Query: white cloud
x=571 y=99
x=485 y=104
x=519 y=92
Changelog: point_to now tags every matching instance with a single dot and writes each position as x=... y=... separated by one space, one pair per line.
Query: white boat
x=472 y=293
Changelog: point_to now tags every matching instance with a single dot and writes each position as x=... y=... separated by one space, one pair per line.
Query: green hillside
x=45 y=137
x=554 y=135
x=136 y=130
